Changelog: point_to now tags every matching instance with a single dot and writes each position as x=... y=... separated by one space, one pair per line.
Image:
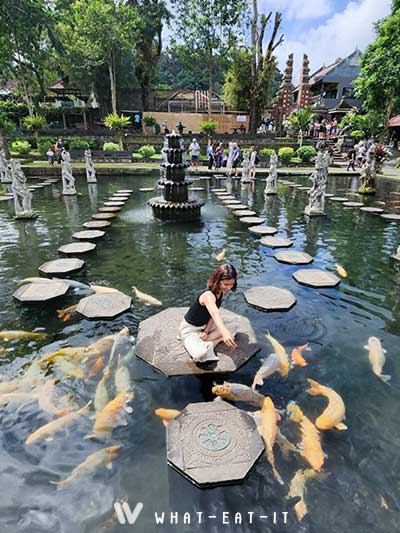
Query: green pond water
x=172 y=262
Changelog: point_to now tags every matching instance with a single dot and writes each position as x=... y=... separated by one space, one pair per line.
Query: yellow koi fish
x=297 y=488
x=297 y=357
x=111 y=416
x=46 y=394
x=341 y=271
x=62 y=313
x=166 y=415
x=99 y=289
x=335 y=411
x=146 y=298
x=96 y=367
x=377 y=358
x=122 y=378
x=221 y=255
x=18 y=334
x=284 y=363
x=18 y=397
x=269 y=431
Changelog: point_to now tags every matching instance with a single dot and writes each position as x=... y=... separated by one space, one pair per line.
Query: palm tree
x=300 y=121
x=35 y=124
x=117 y=123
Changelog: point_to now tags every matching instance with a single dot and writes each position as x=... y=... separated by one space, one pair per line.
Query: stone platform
x=316 y=278
x=37 y=293
x=61 y=267
x=269 y=298
x=104 y=306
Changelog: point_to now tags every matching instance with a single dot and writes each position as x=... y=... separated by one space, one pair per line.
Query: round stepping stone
x=263 y=230
x=121 y=195
x=103 y=216
x=292 y=257
x=158 y=346
x=217 y=190
x=89 y=235
x=122 y=199
x=212 y=443
x=251 y=220
x=96 y=224
x=230 y=200
x=276 y=242
x=314 y=277
x=244 y=211
x=338 y=198
x=114 y=209
x=61 y=267
x=269 y=298
x=146 y=189
x=123 y=191
x=391 y=217
x=329 y=195
x=223 y=194
x=196 y=189
x=352 y=204
x=104 y=306
x=41 y=292
x=77 y=248
x=377 y=210
x=114 y=204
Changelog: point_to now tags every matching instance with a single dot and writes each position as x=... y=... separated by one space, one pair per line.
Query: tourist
x=351 y=156
x=219 y=156
x=50 y=156
x=242 y=129
x=180 y=127
x=137 y=121
x=236 y=158
x=334 y=127
x=194 y=150
x=58 y=149
x=164 y=127
x=210 y=155
x=316 y=128
x=322 y=130
x=202 y=327
x=254 y=160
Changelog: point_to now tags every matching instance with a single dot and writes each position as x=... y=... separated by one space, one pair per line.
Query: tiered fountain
x=174 y=204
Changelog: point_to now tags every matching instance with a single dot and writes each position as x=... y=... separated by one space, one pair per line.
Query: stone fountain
x=316 y=204
x=272 y=178
x=174 y=204
x=22 y=196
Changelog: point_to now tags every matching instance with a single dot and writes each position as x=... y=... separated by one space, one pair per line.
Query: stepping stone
x=212 y=443
x=114 y=209
x=76 y=248
x=146 y=189
x=238 y=207
x=252 y=220
x=104 y=216
x=5 y=198
x=96 y=224
x=217 y=190
x=123 y=191
x=269 y=298
x=243 y=213
x=292 y=257
x=338 y=198
x=304 y=188
x=41 y=292
x=352 y=204
x=114 y=204
x=196 y=189
x=380 y=203
x=222 y=194
x=104 y=306
x=230 y=200
x=158 y=346
x=391 y=217
x=294 y=185
x=376 y=210
x=276 y=242
x=61 y=267
x=118 y=199
x=314 y=277
x=121 y=195
x=396 y=257
x=329 y=195
x=263 y=230
x=89 y=235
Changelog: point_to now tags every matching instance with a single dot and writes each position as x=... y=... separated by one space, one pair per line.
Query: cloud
x=337 y=37
x=299 y=9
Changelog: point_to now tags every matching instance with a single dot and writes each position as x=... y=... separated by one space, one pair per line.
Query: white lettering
x=159 y=519
x=225 y=518
x=125 y=514
x=285 y=513
x=250 y=513
x=186 y=518
x=238 y=518
x=174 y=518
x=200 y=515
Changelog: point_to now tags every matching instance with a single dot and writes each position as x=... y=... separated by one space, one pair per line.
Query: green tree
x=117 y=123
x=300 y=121
x=35 y=124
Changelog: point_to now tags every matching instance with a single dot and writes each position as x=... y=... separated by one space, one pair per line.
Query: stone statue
x=90 y=171
x=245 y=169
x=368 y=176
x=272 y=179
x=22 y=196
x=316 y=204
x=68 y=179
x=4 y=172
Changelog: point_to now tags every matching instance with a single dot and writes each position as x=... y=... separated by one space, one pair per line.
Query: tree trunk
x=113 y=85
x=210 y=84
x=4 y=143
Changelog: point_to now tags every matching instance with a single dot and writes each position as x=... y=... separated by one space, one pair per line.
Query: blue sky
x=325 y=29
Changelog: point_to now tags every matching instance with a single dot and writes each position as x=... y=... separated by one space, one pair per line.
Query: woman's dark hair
x=223 y=272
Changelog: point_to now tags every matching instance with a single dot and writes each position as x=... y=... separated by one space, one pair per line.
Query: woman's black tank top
x=198 y=314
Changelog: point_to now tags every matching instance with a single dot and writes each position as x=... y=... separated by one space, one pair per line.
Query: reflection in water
x=72 y=207
x=92 y=190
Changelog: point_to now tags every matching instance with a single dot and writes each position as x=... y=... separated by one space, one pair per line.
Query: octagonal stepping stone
x=217 y=190
x=121 y=194
x=263 y=230
x=329 y=195
x=147 y=189
x=229 y=200
x=338 y=198
x=211 y=443
x=243 y=212
x=224 y=194
x=197 y=189
x=61 y=267
x=114 y=204
x=376 y=210
x=115 y=209
x=352 y=204
x=269 y=298
x=391 y=217
x=122 y=199
x=304 y=188
x=128 y=191
x=104 y=216
x=158 y=346
x=96 y=224
x=293 y=257
x=276 y=242
x=6 y=197
x=104 y=306
x=89 y=235
x=37 y=292
x=76 y=248
x=251 y=220
x=314 y=277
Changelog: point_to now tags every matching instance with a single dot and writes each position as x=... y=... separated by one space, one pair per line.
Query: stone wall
x=226 y=122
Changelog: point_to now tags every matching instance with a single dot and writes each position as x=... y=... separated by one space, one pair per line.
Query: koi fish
x=310 y=447
x=99 y=289
x=46 y=395
x=284 y=363
x=18 y=397
x=297 y=488
x=4 y=351
x=269 y=365
x=122 y=378
x=91 y=464
x=221 y=255
x=96 y=367
x=18 y=334
x=335 y=411
x=296 y=355
x=101 y=395
x=69 y=369
x=68 y=352
x=377 y=358
x=269 y=431
x=111 y=416
x=64 y=313
x=236 y=392
x=341 y=271
x=146 y=298
x=166 y=415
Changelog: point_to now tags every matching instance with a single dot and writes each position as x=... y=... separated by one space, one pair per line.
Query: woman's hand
x=228 y=339
x=204 y=335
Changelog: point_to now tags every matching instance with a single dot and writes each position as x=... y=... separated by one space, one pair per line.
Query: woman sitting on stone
x=202 y=327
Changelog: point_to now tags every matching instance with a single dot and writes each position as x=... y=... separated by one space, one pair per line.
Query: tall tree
x=210 y=27
x=263 y=64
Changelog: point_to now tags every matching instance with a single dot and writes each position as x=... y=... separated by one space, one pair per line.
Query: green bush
x=45 y=143
x=111 y=147
x=136 y=155
x=156 y=156
x=157 y=128
x=147 y=150
x=149 y=121
x=306 y=153
x=21 y=147
x=285 y=154
x=358 y=135
x=77 y=143
x=267 y=152
x=208 y=127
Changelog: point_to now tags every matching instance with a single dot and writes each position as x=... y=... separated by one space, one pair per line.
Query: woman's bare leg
x=217 y=341
x=215 y=334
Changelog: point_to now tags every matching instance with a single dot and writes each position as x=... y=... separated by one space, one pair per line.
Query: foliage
x=147 y=150
x=45 y=143
x=208 y=127
x=13 y=109
x=111 y=147
x=267 y=152
x=285 y=154
x=306 y=153
x=35 y=123
x=370 y=123
x=136 y=155
x=157 y=128
x=300 y=121
x=21 y=147
x=78 y=143
x=358 y=135
x=149 y=121
x=117 y=123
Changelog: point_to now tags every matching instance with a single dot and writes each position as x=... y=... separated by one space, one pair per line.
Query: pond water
x=172 y=262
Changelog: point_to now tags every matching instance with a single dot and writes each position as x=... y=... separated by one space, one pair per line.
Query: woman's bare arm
x=208 y=299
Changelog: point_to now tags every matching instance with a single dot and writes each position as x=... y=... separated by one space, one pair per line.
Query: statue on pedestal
x=316 y=204
x=4 y=172
x=22 y=196
x=90 y=171
x=271 y=186
x=245 y=169
x=68 y=179
x=368 y=176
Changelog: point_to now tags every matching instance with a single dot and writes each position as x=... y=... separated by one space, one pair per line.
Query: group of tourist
x=324 y=129
x=357 y=155
x=55 y=155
